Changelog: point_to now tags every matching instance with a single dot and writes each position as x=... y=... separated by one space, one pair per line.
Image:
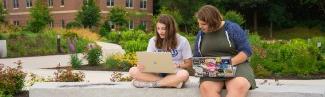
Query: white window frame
x=62 y=3
x=110 y=3
x=131 y=24
x=143 y=4
x=50 y=3
x=16 y=4
x=51 y=24
x=62 y=23
x=111 y=25
x=29 y=3
x=16 y=23
x=129 y=3
x=4 y=4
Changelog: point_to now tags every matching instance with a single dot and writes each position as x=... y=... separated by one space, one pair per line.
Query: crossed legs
x=171 y=80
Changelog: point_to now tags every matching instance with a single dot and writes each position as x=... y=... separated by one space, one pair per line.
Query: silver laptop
x=213 y=67
x=156 y=62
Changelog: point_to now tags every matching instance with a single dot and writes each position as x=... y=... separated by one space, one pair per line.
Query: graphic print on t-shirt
x=174 y=52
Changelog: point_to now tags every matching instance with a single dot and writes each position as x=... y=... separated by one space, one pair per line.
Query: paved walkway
x=38 y=64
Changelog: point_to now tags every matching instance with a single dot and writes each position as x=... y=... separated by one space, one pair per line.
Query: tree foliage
x=40 y=17
x=118 y=16
x=89 y=15
x=2 y=13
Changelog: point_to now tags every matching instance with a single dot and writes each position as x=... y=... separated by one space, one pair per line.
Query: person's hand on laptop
x=140 y=67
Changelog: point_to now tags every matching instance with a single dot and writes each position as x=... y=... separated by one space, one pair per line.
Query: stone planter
x=3 y=48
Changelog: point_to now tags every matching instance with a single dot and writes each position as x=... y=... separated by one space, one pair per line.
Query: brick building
x=65 y=11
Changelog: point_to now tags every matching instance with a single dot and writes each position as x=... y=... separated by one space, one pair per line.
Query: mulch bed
x=22 y=94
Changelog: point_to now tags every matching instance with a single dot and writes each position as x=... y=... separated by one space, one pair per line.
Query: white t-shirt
x=182 y=51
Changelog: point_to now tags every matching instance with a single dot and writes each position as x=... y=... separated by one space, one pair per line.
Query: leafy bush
x=235 y=17
x=2 y=94
x=29 y=44
x=11 y=79
x=75 y=61
x=285 y=58
x=68 y=75
x=130 y=35
x=113 y=37
x=121 y=62
x=2 y=36
x=105 y=29
x=35 y=44
x=135 y=35
x=94 y=55
x=82 y=33
x=113 y=62
x=133 y=45
x=73 y=25
x=137 y=39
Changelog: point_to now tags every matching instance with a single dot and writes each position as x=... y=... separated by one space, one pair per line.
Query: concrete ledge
x=125 y=89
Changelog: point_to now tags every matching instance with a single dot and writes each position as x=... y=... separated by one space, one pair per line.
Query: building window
x=5 y=4
x=111 y=24
x=16 y=23
x=143 y=4
x=62 y=23
x=144 y=24
x=50 y=3
x=85 y=1
x=51 y=24
x=62 y=2
x=129 y=3
x=109 y=2
x=16 y=4
x=131 y=24
x=29 y=3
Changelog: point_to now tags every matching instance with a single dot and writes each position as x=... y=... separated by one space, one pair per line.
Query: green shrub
x=35 y=44
x=113 y=37
x=12 y=79
x=73 y=25
x=2 y=94
x=94 y=56
x=112 y=63
x=140 y=27
x=133 y=46
x=121 y=62
x=235 y=17
x=30 y=44
x=285 y=58
x=105 y=29
x=75 y=61
x=2 y=36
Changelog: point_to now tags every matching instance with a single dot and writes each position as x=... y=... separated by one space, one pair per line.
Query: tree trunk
x=186 y=29
x=271 y=29
x=255 y=21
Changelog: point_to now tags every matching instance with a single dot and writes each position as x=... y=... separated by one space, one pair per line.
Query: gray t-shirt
x=182 y=51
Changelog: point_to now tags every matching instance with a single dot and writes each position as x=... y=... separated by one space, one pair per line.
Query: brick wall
x=67 y=12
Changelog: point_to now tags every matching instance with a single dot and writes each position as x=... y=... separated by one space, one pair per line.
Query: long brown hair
x=211 y=15
x=170 y=41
